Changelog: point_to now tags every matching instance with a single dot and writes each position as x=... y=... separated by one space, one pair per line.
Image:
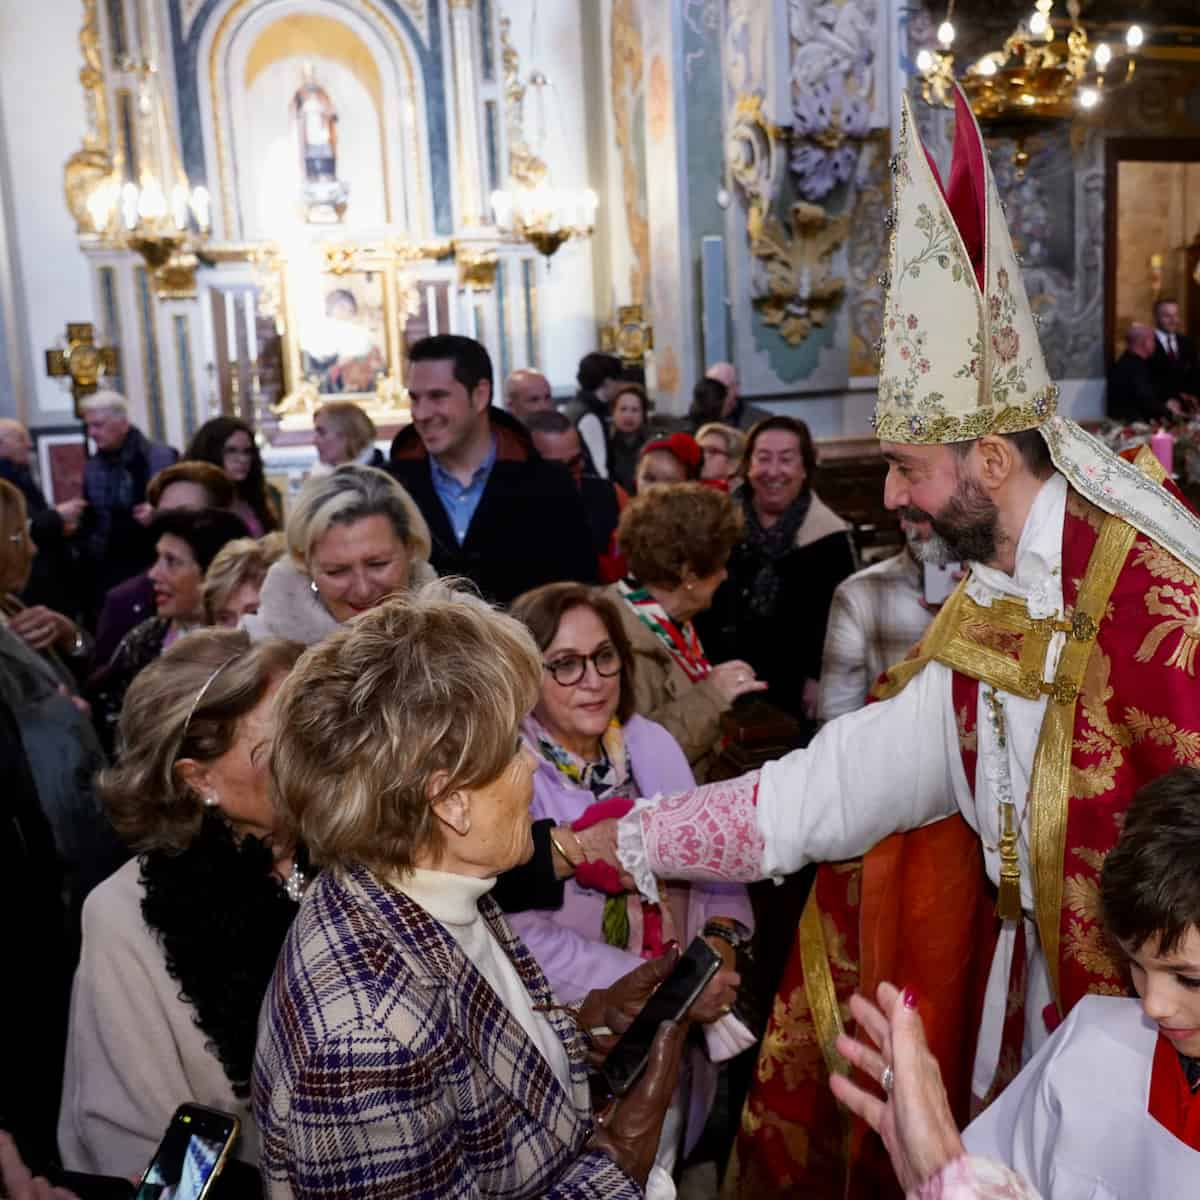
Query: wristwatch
x=728 y=929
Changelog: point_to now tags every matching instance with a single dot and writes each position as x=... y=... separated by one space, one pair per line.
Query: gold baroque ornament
x=92 y=165
x=794 y=288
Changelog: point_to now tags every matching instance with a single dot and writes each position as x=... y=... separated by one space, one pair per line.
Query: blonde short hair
x=734 y=439
x=351 y=422
x=104 y=399
x=432 y=681
x=349 y=494
x=244 y=560
x=149 y=804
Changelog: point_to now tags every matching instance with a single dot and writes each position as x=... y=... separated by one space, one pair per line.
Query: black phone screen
x=675 y=995
x=188 y=1155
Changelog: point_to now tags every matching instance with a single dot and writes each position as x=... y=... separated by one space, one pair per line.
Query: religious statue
x=324 y=195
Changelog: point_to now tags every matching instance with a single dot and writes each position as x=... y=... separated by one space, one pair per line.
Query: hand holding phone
x=629 y=1133
x=670 y=1002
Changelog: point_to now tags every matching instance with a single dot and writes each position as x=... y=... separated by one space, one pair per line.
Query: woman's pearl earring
x=313 y=584
x=211 y=801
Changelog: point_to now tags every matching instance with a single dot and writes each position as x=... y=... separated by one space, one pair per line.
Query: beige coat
x=134 y=1052
x=691 y=712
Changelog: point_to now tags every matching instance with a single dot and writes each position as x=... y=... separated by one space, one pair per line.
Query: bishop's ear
x=998 y=460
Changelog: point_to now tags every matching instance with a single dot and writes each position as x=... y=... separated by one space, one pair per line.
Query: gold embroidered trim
x=1049 y=781
x=818 y=986
x=932 y=425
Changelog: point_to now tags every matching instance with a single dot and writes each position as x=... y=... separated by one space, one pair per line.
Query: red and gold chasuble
x=918 y=909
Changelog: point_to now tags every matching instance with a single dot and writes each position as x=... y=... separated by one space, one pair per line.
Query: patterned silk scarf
x=681 y=641
x=610 y=777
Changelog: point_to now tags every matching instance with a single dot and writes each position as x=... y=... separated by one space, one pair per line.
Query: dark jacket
x=127 y=605
x=1130 y=394
x=530 y=527
x=106 y=689
x=624 y=450
x=1173 y=377
x=55 y=576
x=114 y=484
x=31 y=885
x=784 y=648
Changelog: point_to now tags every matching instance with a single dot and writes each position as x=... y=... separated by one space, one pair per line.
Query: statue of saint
x=324 y=195
x=316 y=121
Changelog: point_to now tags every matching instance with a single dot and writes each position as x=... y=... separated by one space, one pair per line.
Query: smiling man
x=1057 y=680
x=499 y=514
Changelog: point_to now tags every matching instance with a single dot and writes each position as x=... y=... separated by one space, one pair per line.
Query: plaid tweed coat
x=388 y=1067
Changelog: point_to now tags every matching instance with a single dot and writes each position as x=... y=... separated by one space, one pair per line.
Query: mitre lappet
x=960 y=354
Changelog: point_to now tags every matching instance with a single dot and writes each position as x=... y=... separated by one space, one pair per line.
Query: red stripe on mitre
x=966 y=196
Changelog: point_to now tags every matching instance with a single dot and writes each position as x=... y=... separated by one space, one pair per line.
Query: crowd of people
x=374 y=815
x=156 y=631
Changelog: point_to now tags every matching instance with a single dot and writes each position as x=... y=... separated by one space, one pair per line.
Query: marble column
x=468 y=175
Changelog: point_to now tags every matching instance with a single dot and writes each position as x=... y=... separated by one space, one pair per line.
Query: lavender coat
x=567 y=942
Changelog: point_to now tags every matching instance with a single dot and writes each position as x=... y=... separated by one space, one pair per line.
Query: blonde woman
x=235 y=577
x=355 y=537
x=179 y=944
x=722 y=446
x=343 y=433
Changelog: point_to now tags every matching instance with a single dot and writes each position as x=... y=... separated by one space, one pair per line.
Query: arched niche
x=249 y=56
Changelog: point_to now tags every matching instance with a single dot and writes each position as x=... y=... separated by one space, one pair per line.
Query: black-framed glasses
x=571 y=668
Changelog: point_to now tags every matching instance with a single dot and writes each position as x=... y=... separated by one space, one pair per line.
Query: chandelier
x=545 y=217
x=1048 y=67
x=161 y=215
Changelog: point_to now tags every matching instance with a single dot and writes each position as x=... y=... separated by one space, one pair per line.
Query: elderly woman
x=409 y=1045
x=228 y=443
x=595 y=752
x=793 y=553
x=235 y=577
x=185 y=543
x=343 y=433
x=677 y=541
x=179 y=944
x=355 y=537
x=722 y=446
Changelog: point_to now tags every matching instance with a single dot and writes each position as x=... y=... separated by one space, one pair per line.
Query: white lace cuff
x=726 y=1038
x=631 y=850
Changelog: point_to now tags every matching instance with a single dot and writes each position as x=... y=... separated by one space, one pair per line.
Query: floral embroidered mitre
x=960 y=351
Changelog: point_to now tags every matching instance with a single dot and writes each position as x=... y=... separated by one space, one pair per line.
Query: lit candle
x=201 y=208
x=129 y=206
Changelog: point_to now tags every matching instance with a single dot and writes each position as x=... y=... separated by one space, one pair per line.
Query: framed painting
x=342 y=326
x=61 y=455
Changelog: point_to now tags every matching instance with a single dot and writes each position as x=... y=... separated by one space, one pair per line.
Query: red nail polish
x=910 y=998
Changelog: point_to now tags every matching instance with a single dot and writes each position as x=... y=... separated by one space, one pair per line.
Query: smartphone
x=190 y=1156
x=675 y=995
x=940 y=581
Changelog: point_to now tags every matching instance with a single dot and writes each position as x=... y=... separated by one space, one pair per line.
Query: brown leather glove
x=629 y=1132
x=615 y=1006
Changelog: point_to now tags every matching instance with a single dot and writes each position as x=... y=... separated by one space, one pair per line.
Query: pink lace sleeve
x=970 y=1178
x=709 y=833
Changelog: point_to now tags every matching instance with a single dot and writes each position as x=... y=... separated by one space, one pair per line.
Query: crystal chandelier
x=1047 y=67
x=160 y=215
x=545 y=217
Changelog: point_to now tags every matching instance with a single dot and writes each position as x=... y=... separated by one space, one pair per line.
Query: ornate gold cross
x=82 y=360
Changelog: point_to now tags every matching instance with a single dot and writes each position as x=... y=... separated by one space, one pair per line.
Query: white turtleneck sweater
x=453 y=901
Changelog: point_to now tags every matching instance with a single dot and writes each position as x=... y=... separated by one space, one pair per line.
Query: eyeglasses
x=571 y=668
